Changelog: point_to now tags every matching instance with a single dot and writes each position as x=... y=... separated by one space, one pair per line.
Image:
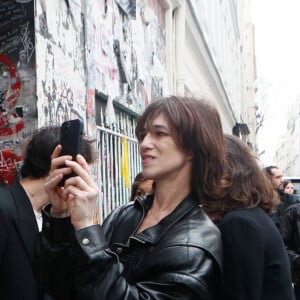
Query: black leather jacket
x=290 y=232
x=286 y=200
x=179 y=258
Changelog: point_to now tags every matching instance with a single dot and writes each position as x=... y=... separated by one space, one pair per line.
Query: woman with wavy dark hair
x=256 y=265
x=162 y=246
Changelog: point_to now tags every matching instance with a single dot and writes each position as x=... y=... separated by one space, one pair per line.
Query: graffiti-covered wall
x=61 y=87
x=56 y=55
x=125 y=47
x=17 y=82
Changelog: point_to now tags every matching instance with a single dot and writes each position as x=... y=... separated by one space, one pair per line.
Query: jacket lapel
x=26 y=224
x=154 y=234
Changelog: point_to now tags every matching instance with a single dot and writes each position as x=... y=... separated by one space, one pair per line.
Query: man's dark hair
x=37 y=159
x=269 y=169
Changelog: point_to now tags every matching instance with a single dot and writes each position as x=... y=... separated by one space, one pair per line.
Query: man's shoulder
x=7 y=203
x=4 y=195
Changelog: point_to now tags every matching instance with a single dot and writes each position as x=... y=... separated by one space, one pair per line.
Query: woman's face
x=289 y=189
x=161 y=156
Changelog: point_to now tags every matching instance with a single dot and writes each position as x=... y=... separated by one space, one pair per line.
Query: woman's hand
x=59 y=206
x=81 y=193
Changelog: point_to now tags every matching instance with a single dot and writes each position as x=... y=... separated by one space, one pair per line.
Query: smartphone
x=71 y=139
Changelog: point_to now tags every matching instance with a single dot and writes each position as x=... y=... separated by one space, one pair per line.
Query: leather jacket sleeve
x=90 y=270
x=289 y=230
x=54 y=263
x=101 y=275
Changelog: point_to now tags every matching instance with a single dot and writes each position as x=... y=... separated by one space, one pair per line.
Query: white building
x=214 y=57
x=104 y=61
x=287 y=155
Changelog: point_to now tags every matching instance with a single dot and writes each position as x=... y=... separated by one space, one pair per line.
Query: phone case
x=71 y=141
x=71 y=137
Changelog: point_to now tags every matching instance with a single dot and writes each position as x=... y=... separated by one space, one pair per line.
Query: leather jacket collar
x=154 y=234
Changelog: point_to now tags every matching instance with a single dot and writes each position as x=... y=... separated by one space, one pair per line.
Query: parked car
x=296 y=182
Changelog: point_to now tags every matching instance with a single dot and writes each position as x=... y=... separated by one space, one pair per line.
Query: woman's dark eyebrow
x=158 y=126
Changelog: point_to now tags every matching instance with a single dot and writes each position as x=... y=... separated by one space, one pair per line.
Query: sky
x=277 y=43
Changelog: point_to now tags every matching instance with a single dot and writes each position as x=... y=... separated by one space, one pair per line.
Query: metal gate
x=118 y=162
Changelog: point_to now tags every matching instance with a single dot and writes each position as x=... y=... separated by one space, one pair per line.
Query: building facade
x=103 y=61
x=287 y=154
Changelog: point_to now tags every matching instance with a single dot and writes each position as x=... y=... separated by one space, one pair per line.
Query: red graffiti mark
x=8 y=168
x=3 y=119
x=13 y=94
x=12 y=127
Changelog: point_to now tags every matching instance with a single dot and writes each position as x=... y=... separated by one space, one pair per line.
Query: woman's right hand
x=59 y=208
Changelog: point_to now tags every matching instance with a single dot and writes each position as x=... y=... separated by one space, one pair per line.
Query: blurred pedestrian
x=288 y=187
x=276 y=178
x=290 y=232
x=141 y=187
x=21 y=218
x=256 y=265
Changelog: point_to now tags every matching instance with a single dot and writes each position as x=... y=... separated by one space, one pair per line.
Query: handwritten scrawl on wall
x=17 y=83
x=61 y=82
x=126 y=50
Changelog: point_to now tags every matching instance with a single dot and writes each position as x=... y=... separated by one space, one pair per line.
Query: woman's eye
x=161 y=133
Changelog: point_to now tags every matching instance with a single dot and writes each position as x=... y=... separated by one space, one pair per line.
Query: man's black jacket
x=286 y=200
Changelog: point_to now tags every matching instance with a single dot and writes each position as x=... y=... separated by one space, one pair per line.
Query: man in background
x=21 y=219
x=276 y=178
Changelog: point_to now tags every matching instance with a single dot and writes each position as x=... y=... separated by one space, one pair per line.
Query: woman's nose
x=146 y=140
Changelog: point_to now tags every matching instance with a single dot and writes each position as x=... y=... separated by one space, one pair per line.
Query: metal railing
x=118 y=162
